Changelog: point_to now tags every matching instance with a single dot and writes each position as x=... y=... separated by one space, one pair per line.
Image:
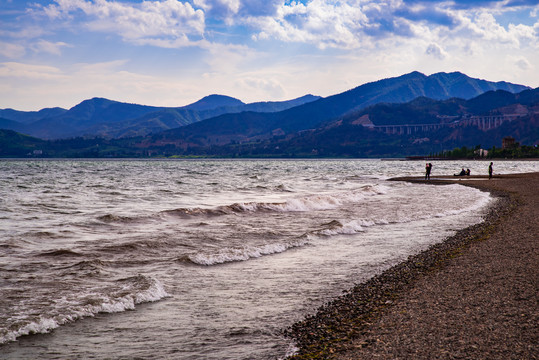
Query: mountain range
x=249 y=126
x=353 y=123
x=113 y=119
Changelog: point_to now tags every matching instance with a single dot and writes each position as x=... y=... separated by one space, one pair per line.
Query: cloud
x=272 y=87
x=49 y=47
x=11 y=51
x=28 y=86
x=166 y=21
x=319 y=22
x=27 y=71
x=349 y=24
x=25 y=32
x=326 y=24
x=523 y=64
x=219 y=8
x=253 y=49
x=436 y=51
x=458 y=4
x=484 y=26
x=511 y=3
x=357 y=23
x=430 y=15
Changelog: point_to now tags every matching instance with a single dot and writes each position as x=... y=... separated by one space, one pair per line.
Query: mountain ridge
x=381 y=130
x=103 y=117
x=216 y=131
x=219 y=119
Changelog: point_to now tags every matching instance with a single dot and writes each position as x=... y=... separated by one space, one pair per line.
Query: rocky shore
x=473 y=296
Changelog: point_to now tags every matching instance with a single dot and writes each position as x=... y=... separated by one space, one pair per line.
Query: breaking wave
x=337 y=227
x=245 y=253
x=124 y=295
x=306 y=203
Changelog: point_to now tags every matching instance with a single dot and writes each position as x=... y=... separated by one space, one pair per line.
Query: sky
x=174 y=52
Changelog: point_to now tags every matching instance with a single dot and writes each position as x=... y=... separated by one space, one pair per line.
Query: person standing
x=428 y=168
x=490 y=171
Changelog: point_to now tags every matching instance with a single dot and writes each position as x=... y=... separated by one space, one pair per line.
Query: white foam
x=351 y=227
x=43 y=325
x=483 y=200
x=316 y=202
x=242 y=253
x=104 y=303
x=359 y=225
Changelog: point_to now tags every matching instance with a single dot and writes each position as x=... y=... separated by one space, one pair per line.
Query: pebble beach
x=472 y=296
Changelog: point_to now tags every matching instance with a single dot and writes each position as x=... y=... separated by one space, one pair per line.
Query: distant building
x=508 y=142
x=481 y=152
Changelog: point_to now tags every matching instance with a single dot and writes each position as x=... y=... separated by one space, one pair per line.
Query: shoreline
x=388 y=316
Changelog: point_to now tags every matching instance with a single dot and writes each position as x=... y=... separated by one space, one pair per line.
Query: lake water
x=204 y=259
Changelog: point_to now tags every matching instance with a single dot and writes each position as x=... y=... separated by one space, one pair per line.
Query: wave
x=127 y=293
x=191 y=212
x=483 y=201
x=316 y=202
x=337 y=227
x=60 y=252
x=313 y=202
x=85 y=268
x=42 y=235
x=110 y=218
x=245 y=253
x=138 y=245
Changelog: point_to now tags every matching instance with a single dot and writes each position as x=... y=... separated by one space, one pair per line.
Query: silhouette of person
x=490 y=171
x=428 y=168
x=468 y=172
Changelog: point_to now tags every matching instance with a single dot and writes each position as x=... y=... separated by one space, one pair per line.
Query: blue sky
x=174 y=52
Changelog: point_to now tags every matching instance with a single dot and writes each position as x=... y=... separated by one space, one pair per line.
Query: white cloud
x=359 y=23
x=229 y=59
x=11 y=51
x=270 y=86
x=27 y=71
x=147 y=22
x=483 y=26
x=49 y=47
x=320 y=22
x=26 y=32
x=32 y=87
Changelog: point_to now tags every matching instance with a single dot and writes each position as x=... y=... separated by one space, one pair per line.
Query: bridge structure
x=407 y=129
x=486 y=122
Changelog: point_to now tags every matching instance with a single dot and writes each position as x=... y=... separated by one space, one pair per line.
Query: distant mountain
x=214 y=101
x=27 y=117
x=248 y=126
x=430 y=126
x=276 y=106
x=428 y=111
x=103 y=117
x=12 y=125
x=219 y=120
x=350 y=135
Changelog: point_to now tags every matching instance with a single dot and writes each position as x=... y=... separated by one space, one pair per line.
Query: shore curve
x=474 y=295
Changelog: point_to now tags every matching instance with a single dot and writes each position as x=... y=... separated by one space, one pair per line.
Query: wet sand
x=473 y=296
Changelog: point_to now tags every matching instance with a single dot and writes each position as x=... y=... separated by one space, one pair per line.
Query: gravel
x=473 y=296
